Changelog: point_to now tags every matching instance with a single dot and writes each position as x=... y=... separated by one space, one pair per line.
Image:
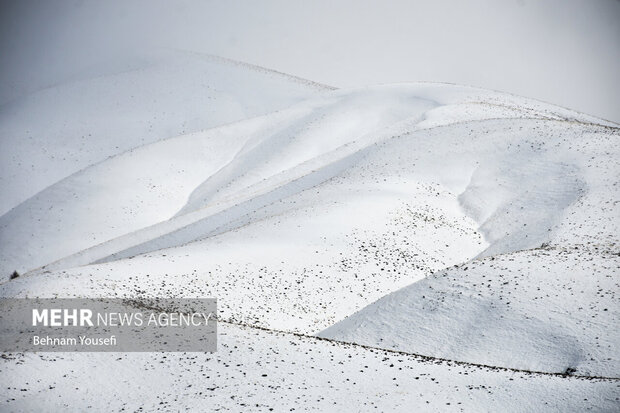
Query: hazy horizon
x=561 y=52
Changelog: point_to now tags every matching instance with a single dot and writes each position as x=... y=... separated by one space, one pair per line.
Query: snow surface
x=261 y=371
x=57 y=131
x=420 y=219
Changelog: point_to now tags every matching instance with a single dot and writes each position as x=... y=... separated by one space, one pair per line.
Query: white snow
x=57 y=131
x=407 y=217
x=259 y=371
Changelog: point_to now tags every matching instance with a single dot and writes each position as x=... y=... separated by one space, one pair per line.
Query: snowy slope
x=543 y=311
x=406 y=217
x=179 y=189
x=546 y=310
x=270 y=258
x=52 y=133
x=259 y=371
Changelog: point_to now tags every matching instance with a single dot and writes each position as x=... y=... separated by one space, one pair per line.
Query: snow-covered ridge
x=166 y=186
x=433 y=219
x=57 y=131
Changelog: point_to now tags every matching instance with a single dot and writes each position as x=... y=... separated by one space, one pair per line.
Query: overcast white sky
x=561 y=51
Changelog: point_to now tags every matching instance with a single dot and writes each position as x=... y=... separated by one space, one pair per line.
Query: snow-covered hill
x=549 y=309
x=177 y=190
x=52 y=133
x=430 y=219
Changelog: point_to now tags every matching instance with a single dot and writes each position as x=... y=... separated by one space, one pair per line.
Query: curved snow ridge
x=86 y=120
x=226 y=214
x=492 y=100
x=519 y=203
x=466 y=103
x=146 y=186
x=339 y=120
x=140 y=188
x=531 y=310
x=261 y=69
x=531 y=183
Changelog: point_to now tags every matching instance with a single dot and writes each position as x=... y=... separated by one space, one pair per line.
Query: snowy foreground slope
x=263 y=371
x=406 y=220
